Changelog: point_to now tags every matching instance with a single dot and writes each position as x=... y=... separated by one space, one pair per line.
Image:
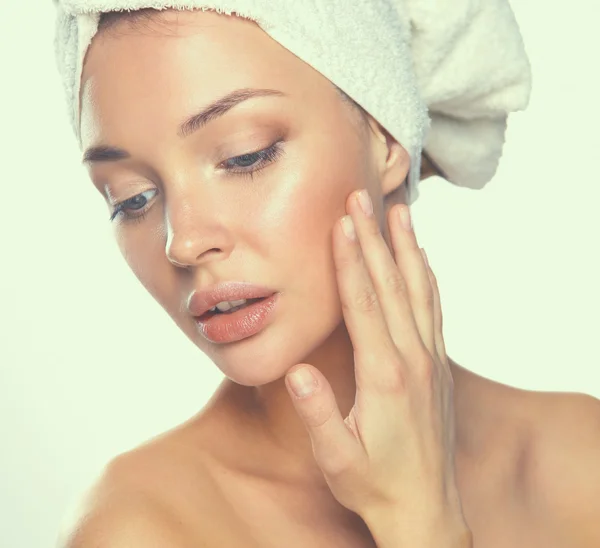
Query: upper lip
x=200 y=302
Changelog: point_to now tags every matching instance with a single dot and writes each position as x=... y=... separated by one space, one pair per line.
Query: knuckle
x=428 y=298
x=338 y=465
x=425 y=369
x=320 y=416
x=396 y=382
x=366 y=300
x=347 y=259
x=395 y=283
x=393 y=379
x=373 y=227
x=428 y=293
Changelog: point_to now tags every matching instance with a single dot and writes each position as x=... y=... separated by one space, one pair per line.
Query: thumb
x=335 y=447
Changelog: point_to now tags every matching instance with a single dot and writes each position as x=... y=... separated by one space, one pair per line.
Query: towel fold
x=437 y=74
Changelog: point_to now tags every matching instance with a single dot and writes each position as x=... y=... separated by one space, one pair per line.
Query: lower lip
x=248 y=321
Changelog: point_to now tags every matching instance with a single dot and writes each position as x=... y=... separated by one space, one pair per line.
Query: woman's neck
x=265 y=418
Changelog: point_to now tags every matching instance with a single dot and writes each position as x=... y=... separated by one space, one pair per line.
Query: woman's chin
x=256 y=371
x=269 y=354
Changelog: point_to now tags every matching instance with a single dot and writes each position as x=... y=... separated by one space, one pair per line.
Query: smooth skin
x=242 y=472
x=391 y=461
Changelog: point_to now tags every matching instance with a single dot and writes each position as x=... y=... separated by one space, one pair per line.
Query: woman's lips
x=212 y=313
x=241 y=324
x=202 y=300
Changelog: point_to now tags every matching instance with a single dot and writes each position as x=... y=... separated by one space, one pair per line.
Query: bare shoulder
x=159 y=494
x=564 y=466
x=126 y=519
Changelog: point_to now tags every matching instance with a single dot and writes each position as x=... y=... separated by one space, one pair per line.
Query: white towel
x=437 y=74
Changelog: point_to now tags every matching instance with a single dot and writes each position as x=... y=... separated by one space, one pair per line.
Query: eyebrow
x=216 y=109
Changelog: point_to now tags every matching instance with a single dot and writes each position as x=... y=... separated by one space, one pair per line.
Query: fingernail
x=365 y=202
x=348 y=227
x=405 y=218
x=302 y=382
x=424 y=256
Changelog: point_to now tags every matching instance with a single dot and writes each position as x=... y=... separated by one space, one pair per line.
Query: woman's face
x=207 y=218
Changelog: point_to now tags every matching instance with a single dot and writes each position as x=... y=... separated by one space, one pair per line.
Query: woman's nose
x=192 y=241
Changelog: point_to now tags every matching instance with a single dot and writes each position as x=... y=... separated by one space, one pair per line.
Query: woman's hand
x=392 y=459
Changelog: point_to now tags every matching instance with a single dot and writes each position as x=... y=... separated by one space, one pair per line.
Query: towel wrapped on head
x=438 y=75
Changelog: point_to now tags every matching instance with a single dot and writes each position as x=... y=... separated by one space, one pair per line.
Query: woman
x=429 y=454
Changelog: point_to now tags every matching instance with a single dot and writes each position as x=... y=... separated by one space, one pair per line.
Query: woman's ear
x=392 y=161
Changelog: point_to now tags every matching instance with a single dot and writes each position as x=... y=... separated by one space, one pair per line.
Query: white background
x=90 y=366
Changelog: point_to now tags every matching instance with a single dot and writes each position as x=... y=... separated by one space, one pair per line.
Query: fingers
x=362 y=308
x=335 y=447
x=411 y=263
x=438 y=324
x=368 y=263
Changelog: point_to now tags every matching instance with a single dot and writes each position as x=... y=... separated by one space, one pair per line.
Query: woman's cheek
x=145 y=255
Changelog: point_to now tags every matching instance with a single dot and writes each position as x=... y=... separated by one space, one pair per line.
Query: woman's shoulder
x=555 y=442
x=161 y=493
x=563 y=436
x=549 y=447
x=539 y=452
x=563 y=463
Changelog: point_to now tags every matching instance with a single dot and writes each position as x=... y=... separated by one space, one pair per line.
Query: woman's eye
x=136 y=203
x=248 y=164
x=246 y=160
x=135 y=208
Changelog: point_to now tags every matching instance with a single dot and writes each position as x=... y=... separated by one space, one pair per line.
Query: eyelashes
x=137 y=203
x=256 y=161
x=245 y=165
